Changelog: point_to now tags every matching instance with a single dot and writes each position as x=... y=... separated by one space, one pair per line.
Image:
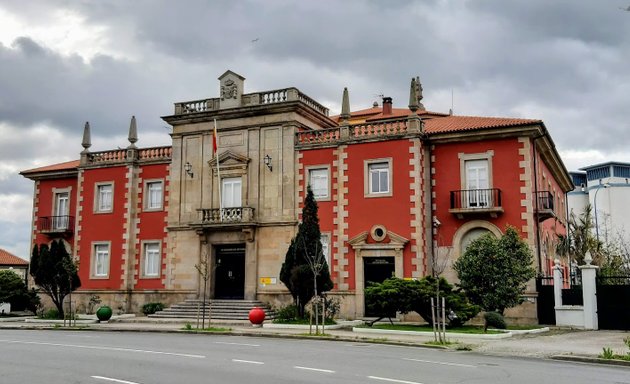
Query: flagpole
x=216 y=153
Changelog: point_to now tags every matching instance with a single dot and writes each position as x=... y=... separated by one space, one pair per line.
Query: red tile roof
x=7 y=258
x=376 y=113
x=68 y=165
x=438 y=122
x=469 y=123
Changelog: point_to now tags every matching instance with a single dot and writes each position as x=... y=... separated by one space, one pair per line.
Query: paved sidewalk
x=571 y=343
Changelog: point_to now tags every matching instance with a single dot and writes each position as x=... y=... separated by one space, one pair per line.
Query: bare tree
x=204 y=270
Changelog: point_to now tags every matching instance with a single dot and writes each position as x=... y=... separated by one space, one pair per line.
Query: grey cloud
x=563 y=61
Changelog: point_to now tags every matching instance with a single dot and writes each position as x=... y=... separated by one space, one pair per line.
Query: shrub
x=94 y=301
x=286 y=314
x=151 y=308
x=495 y=320
x=332 y=308
x=13 y=290
x=50 y=314
x=404 y=296
x=456 y=300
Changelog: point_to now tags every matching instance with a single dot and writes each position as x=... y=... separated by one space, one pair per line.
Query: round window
x=378 y=233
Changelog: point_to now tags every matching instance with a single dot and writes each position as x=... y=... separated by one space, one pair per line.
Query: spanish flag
x=214 y=138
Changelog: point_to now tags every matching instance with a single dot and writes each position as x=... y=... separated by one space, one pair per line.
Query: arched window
x=472 y=235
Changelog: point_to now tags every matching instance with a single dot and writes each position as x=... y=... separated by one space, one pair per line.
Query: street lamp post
x=605 y=185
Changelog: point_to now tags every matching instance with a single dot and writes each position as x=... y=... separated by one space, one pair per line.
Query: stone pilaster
x=340 y=249
x=416 y=207
x=77 y=224
x=130 y=224
x=526 y=178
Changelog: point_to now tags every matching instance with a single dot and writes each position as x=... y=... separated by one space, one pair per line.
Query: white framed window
x=477 y=184
x=319 y=180
x=104 y=197
x=231 y=188
x=151 y=259
x=100 y=260
x=378 y=177
x=325 y=241
x=476 y=180
x=154 y=195
x=61 y=210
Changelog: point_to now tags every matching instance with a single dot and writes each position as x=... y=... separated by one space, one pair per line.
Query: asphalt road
x=51 y=357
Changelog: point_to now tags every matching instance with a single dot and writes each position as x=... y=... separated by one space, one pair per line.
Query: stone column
x=589 y=293
x=557 y=284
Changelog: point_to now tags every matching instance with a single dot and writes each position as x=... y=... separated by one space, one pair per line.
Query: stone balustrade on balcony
x=252 y=99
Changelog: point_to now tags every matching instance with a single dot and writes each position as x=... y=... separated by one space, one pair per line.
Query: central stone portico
x=229 y=208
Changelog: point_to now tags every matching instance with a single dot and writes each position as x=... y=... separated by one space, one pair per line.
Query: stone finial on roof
x=413 y=96
x=133 y=133
x=345 y=106
x=87 y=141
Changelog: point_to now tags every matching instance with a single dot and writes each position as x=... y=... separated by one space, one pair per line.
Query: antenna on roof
x=450 y=112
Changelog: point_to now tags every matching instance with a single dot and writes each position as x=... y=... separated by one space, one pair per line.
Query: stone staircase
x=232 y=310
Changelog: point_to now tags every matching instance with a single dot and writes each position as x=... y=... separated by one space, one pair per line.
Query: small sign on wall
x=264 y=281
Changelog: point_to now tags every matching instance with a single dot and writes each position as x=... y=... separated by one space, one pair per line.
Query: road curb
x=592 y=360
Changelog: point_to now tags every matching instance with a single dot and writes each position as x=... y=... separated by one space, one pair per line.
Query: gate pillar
x=589 y=293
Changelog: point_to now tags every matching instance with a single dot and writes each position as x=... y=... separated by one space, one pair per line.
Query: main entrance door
x=377 y=270
x=230 y=272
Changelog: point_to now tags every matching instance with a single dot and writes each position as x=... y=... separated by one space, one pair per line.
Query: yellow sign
x=267 y=280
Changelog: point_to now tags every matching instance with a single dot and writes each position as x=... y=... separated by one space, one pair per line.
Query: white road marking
x=247 y=361
x=114 y=380
x=393 y=380
x=242 y=344
x=442 y=363
x=104 y=348
x=314 y=369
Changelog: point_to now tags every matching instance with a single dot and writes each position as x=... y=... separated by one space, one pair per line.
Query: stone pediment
x=232 y=73
x=232 y=86
x=229 y=160
x=360 y=241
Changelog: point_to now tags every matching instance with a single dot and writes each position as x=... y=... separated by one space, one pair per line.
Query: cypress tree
x=305 y=258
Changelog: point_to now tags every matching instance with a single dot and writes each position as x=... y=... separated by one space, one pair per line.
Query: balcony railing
x=56 y=224
x=250 y=99
x=545 y=205
x=475 y=201
x=360 y=131
x=226 y=215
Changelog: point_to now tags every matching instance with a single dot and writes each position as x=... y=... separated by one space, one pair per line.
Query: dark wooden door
x=230 y=273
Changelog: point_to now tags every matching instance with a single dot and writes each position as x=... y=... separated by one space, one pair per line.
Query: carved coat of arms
x=229 y=90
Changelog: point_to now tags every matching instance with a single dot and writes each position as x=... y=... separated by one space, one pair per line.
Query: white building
x=606 y=187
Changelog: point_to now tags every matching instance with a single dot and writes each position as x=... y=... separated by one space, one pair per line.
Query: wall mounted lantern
x=188 y=169
x=268 y=162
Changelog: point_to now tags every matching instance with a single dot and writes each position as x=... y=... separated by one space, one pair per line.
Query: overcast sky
x=66 y=62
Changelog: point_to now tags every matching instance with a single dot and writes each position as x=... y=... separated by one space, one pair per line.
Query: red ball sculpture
x=256 y=316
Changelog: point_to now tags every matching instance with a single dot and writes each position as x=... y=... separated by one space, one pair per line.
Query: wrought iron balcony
x=544 y=205
x=56 y=224
x=476 y=201
x=235 y=215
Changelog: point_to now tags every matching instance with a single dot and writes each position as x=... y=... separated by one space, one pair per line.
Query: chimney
x=387 y=106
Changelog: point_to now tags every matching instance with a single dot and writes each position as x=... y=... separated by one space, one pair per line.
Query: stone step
x=214 y=309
